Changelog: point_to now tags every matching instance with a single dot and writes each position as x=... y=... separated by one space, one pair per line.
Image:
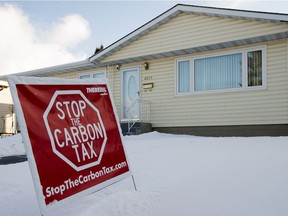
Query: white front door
x=130 y=94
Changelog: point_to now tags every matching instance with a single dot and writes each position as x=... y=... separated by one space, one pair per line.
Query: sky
x=37 y=34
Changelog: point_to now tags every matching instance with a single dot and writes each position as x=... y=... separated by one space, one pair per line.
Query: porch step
x=138 y=128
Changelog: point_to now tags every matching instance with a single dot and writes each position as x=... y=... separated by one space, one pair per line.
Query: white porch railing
x=138 y=111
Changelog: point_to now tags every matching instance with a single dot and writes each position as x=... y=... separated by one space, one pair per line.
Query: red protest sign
x=71 y=135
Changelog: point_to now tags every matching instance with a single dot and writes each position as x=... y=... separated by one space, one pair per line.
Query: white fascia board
x=235 y=13
x=49 y=70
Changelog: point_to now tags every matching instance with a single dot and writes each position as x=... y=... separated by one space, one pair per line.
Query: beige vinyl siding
x=113 y=77
x=190 y=30
x=117 y=93
x=75 y=75
x=243 y=107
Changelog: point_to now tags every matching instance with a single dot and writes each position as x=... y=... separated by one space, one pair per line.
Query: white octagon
x=61 y=154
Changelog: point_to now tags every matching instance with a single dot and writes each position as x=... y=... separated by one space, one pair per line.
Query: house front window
x=255 y=68
x=220 y=72
x=184 y=76
x=86 y=76
x=238 y=70
x=93 y=75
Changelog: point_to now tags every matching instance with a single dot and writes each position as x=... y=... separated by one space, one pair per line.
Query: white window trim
x=91 y=74
x=244 y=87
x=264 y=67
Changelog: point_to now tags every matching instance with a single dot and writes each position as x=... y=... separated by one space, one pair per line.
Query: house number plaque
x=148 y=78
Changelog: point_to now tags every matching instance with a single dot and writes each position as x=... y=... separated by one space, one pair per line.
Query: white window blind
x=221 y=72
x=184 y=76
x=93 y=75
x=238 y=70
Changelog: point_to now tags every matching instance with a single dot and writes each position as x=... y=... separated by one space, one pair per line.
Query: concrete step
x=138 y=128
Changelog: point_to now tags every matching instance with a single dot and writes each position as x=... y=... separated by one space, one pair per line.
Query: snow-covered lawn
x=11 y=145
x=175 y=175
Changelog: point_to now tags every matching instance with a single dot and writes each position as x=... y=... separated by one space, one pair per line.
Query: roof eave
x=234 y=13
x=54 y=70
x=204 y=48
x=154 y=23
x=174 y=11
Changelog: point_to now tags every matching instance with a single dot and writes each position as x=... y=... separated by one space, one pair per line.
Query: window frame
x=177 y=77
x=91 y=74
x=244 y=52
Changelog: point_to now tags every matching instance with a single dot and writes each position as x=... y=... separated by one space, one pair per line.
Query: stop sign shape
x=75 y=129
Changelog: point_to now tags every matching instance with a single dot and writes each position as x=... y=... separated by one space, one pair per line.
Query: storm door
x=130 y=94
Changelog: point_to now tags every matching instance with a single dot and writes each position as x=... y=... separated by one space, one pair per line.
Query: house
x=197 y=70
x=7 y=115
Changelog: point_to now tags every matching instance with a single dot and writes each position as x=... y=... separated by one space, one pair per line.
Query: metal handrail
x=138 y=111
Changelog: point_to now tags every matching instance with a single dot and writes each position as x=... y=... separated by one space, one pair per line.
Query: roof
x=176 y=10
x=95 y=60
x=54 y=70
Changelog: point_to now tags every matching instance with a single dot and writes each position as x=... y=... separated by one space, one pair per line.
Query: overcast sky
x=37 y=34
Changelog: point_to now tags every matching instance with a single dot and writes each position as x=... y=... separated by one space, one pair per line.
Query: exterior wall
x=230 y=130
x=190 y=30
x=113 y=81
x=5 y=96
x=267 y=106
x=243 y=107
x=7 y=119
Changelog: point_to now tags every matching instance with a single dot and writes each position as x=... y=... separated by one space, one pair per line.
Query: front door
x=130 y=94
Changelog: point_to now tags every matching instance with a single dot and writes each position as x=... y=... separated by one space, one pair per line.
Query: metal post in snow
x=134 y=183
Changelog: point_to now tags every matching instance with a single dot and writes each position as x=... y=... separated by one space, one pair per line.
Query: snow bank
x=12 y=145
x=176 y=175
